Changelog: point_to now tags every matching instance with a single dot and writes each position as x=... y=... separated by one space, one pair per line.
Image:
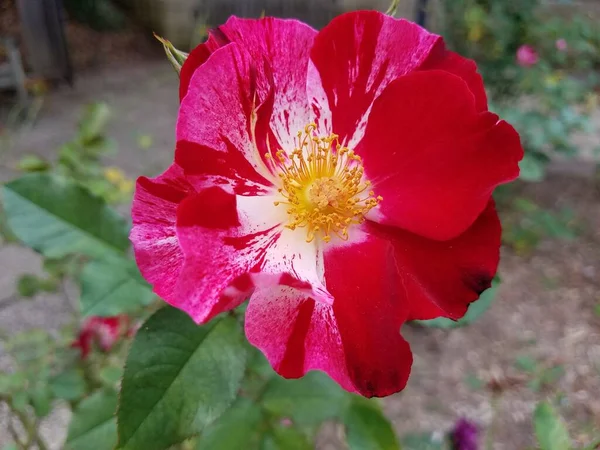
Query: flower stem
x=29 y=425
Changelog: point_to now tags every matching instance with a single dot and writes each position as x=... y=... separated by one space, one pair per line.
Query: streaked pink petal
x=356 y=340
x=153 y=235
x=357 y=55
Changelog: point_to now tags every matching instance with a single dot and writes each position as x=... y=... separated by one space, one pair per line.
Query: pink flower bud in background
x=286 y=422
x=561 y=45
x=527 y=56
x=105 y=332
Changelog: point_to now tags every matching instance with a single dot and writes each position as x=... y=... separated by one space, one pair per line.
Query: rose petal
x=356 y=340
x=230 y=242
x=216 y=125
x=153 y=235
x=433 y=157
x=442 y=278
x=357 y=55
x=280 y=68
x=441 y=58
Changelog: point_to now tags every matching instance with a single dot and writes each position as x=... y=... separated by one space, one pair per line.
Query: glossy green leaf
x=58 y=217
x=178 y=378
x=286 y=438
x=237 y=428
x=367 y=428
x=94 y=426
x=109 y=288
x=311 y=399
x=549 y=428
x=475 y=311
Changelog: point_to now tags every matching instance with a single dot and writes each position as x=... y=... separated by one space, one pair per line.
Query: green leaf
x=57 y=217
x=11 y=382
x=178 y=378
x=286 y=438
x=367 y=428
x=41 y=400
x=94 y=121
x=311 y=399
x=532 y=169
x=68 y=385
x=421 y=441
x=550 y=430
x=526 y=363
x=20 y=400
x=237 y=428
x=476 y=310
x=94 y=426
x=111 y=375
x=28 y=285
x=109 y=288
x=32 y=163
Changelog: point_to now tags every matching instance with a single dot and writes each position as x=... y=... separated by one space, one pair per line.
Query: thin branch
x=30 y=426
x=15 y=435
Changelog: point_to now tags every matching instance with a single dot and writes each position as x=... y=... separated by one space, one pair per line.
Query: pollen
x=322 y=186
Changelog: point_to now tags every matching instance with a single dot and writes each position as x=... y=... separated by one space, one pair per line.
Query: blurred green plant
x=81 y=159
x=528 y=223
x=549 y=98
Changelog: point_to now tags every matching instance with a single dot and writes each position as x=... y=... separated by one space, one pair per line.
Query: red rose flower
x=101 y=331
x=341 y=180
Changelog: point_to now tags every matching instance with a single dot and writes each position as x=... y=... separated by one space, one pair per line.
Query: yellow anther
x=322 y=184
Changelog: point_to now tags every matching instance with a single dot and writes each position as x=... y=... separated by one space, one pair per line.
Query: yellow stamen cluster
x=322 y=186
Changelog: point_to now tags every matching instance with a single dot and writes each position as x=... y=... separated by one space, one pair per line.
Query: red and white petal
x=223 y=237
x=433 y=157
x=196 y=58
x=357 y=55
x=280 y=51
x=356 y=340
x=235 y=244
x=154 y=235
x=217 y=125
x=441 y=58
x=441 y=279
x=298 y=263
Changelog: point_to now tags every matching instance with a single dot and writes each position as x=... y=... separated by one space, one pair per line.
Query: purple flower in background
x=561 y=45
x=527 y=56
x=464 y=435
